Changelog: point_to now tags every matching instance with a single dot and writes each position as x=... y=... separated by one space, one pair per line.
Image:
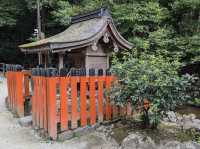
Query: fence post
x=19 y=92
x=101 y=80
x=83 y=104
x=45 y=103
x=42 y=88
x=108 y=104
x=64 y=103
x=33 y=101
x=74 y=81
x=37 y=101
x=11 y=90
x=8 y=87
x=51 y=102
x=92 y=101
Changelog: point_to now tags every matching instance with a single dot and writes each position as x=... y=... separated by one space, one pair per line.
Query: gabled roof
x=84 y=31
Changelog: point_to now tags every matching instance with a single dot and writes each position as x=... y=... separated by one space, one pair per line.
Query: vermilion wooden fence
x=72 y=102
x=64 y=103
x=18 y=90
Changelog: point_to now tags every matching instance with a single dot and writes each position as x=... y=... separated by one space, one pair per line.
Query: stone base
x=25 y=121
x=66 y=135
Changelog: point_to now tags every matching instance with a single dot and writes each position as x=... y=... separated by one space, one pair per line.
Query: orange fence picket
x=34 y=101
x=74 y=81
x=64 y=105
x=19 y=94
x=109 y=80
x=45 y=108
x=92 y=100
x=100 y=98
x=51 y=104
x=83 y=85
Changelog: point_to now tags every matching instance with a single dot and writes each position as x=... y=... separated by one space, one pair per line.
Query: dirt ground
x=13 y=136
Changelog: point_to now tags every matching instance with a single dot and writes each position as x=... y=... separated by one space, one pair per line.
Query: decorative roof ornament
x=94 y=46
x=106 y=38
x=69 y=50
x=116 y=48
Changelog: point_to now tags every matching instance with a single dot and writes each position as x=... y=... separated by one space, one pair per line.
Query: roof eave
x=35 y=49
x=123 y=42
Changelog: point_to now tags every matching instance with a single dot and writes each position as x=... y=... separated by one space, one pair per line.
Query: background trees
x=166 y=27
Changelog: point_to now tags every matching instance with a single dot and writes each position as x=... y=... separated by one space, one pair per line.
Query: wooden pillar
x=39 y=58
x=108 y=61
x=45 y=59
x=61 y=57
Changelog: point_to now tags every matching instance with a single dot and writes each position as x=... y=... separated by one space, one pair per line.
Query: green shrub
x=150 y=77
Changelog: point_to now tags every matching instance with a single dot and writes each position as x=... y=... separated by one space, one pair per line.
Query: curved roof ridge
x=75 y=33
x=81 y=33
x=121 y=39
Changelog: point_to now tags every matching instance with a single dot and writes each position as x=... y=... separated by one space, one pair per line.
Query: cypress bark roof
x=83 y=31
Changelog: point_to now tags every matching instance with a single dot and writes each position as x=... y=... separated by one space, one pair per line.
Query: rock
x=107 y=134
x=172 y=116
x=171 y=145
x=81 y=131
x=165 y=119
x=25 y=121
x=197 y=145
x=192 y=116
x=185 y=121
x=179 y=145
x=66 y=135
x=169 y=127
x=189 y=122
x=197 y=121
x=101 y=129
x=112 y=133
x=109 y=128
x=137 y=141
x=112 y=125
x=107 y=146
x=190 y=145
x=186 y=118
x=189 y=117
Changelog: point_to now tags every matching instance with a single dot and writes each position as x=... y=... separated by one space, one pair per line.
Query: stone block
x=25 y=121
x=66 y=135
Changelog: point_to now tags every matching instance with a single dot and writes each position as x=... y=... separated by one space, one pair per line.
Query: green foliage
x=158 y=27
x=63 y=13
x=188 y=135
x=150 y=77
x=195 y=102
x=185 y=17
x=138 y=20
x=9 y=10
x=198 y=139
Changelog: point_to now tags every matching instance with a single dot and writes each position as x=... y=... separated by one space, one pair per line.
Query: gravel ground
x=13 y=136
